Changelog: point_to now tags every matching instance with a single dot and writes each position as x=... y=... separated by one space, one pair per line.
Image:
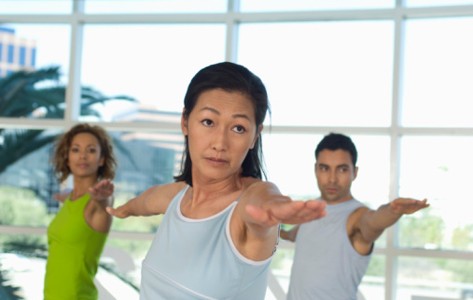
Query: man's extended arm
x=372 y=223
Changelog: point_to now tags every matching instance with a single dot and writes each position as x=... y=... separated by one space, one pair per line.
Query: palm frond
x=21 y=96
x=17 y=91
x=18 y=143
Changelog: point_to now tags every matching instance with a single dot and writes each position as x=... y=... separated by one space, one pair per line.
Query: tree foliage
x=38 y=94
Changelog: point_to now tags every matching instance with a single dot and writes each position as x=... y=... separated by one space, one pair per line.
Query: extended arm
x=260 y=211
x=152 y=201
x=266 y=207
x=372 y=223
x=101 y=195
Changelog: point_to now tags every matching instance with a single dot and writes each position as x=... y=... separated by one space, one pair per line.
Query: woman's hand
x=102 y=191
x=287 y=211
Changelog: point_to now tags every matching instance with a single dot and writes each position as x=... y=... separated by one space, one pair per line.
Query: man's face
x=335 y=172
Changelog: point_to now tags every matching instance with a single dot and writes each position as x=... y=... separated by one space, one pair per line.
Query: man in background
x=333 y=253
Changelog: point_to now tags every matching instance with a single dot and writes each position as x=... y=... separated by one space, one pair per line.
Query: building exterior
x=16 y=53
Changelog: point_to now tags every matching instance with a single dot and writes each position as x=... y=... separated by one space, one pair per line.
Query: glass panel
x=304 y=5
x=323 y=80
x=372 y=182
x=437 y=89
x=22 y=206
x=35 y=7
x=437 y=168
x=372 y=285
x=162 y=6
x=301 y=183
x=150 y=63
x=26 y=177
x=156 y=162
x=435 y=278
x=43 y=51
x=437 y=2
x=44 y=45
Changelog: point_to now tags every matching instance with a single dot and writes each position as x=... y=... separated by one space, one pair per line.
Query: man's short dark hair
x=336 y=141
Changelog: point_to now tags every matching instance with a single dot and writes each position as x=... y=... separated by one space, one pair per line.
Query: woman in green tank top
x=77 y=234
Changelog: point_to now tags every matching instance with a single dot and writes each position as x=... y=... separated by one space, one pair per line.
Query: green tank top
x=74 y=252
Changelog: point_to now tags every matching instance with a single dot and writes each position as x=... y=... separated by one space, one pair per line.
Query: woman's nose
x=219 y=142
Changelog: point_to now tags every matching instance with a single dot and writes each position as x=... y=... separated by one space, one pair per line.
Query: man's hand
x=407 y=206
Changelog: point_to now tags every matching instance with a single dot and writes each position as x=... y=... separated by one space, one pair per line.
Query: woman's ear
x=184 y=123
x=257 y=135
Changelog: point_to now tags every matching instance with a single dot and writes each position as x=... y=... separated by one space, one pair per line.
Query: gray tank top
x=325 y=264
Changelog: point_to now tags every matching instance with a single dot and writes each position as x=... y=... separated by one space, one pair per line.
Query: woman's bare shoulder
x=168 y=190
x=249 y=181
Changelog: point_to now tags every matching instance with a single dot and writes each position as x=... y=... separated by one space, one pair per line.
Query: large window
x=151 y=63
x=438 y=66
x=335 y=69
x=394 y=75
x=435 y=168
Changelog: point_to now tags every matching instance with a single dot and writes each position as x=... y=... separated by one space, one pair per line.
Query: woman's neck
x=82 y=185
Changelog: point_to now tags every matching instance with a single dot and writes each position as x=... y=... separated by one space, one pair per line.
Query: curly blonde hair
x=63 y=144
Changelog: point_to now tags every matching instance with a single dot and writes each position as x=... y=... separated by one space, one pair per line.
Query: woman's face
x=84 y=156
x=221 y=129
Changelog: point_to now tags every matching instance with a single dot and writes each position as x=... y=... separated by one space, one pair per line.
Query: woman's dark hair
x=61 y=154
x=338 y=141
x=230 y=77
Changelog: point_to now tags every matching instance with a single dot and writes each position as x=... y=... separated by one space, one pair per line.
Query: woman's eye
x=207 y=122
x=239 y=129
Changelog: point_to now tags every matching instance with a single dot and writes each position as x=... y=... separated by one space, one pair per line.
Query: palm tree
x=20 y=97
